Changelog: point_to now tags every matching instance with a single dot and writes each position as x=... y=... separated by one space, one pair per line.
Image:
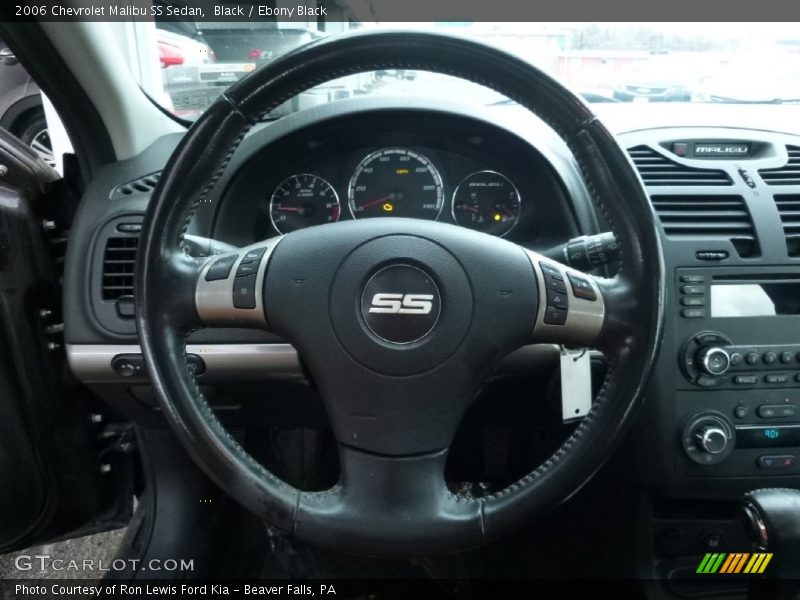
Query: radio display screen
x=755 y=299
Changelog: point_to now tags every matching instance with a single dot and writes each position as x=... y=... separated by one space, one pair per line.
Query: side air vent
x=143 y=185
x=657 y=170
x=708 y=217
x=789 y=209
x=788 y=174
x=119 y=259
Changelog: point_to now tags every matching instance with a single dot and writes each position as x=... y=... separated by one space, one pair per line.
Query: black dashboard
x=727 y=200
x=724 y=402
x=411 y=164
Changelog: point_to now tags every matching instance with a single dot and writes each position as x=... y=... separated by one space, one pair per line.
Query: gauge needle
x=465 y=207
x=374 y=202
x=288 y=209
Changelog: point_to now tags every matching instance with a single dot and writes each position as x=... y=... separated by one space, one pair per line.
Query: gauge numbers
x=301 y=201
x=487 y=201
x=396 y=182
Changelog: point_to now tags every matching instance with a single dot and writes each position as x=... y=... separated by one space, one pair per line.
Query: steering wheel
x=399 y=321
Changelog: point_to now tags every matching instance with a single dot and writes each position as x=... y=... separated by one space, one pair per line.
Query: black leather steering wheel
x=396 y=382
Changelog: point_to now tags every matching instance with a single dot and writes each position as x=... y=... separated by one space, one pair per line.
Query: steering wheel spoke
x=392 y=502
x=572 y=305
x=229 y=288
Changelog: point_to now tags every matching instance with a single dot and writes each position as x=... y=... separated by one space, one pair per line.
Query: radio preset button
x=751 y=358
x=787 y=357
x=769 y=357
x=740 y=412
x=693 y=290
x=693 y=278
x=736 y=359
x=693 y=301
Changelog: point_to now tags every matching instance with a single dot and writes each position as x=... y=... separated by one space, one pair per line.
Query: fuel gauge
x=487 y=201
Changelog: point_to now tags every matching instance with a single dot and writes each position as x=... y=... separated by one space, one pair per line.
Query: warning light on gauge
x=497 y=217
x=388 y=207
x=402 y=171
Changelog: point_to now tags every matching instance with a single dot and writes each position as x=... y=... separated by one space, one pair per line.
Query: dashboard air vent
x=709 y=217
x=143 y=185
x=657 y=170
x=788 y=174
x=119 y=259
x=789 y=209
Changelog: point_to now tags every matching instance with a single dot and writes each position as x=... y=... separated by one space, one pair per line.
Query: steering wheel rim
x=390 y=500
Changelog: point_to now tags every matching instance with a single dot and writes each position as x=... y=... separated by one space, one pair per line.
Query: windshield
x=602 y=62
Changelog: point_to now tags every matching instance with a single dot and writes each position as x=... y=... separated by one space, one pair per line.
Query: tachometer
x=487 y=201
x=301 y=201
x=396 y=182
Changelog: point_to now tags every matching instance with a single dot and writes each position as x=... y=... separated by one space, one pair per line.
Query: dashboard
x=387 y=163
x=722 y=413
x=726 y=199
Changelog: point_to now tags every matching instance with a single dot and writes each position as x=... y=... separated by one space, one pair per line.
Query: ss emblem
x=402 y=304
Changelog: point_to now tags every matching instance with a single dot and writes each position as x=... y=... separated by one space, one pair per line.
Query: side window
x=27 y=113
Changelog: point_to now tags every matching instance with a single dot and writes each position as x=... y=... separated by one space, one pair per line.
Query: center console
x=738 y=401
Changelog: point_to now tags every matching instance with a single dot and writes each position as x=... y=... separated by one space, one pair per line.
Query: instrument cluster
x=396 y=181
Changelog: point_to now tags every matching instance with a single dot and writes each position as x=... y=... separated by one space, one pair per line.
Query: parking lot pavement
x=99 y=548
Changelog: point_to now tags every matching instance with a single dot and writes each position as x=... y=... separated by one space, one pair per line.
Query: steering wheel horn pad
x=395 y=395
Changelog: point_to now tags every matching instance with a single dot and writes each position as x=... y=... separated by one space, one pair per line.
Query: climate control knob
x=713 y=360
x=708 y=438
x=712 y=439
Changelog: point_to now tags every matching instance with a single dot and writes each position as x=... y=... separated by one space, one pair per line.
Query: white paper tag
x=576 y=384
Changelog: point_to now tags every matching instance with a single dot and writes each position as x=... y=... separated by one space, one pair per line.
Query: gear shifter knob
x=771 y=517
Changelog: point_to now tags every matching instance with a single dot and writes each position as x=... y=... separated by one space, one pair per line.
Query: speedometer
x=396 y=182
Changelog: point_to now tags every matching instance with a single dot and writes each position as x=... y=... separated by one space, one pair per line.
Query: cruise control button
x=221 y=268
x=581 y=287
x=777 y=461
x=555 y=285
x=557 y=300
x=549 y=269
x=555 y=316
x=254 y=255
x=244 y=291
x=247 y=268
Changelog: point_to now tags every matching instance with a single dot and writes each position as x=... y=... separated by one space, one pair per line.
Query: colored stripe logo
x=734 y=562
